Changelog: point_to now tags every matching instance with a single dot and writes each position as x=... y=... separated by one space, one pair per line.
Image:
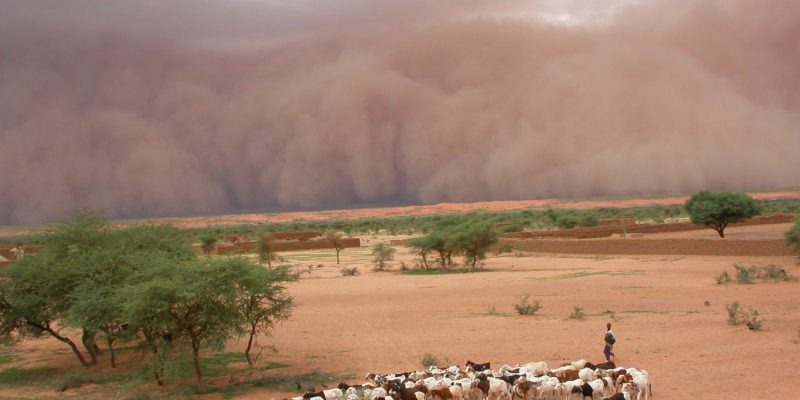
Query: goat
x=478 y=367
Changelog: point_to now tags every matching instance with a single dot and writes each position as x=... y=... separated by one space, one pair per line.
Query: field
x=667 y=311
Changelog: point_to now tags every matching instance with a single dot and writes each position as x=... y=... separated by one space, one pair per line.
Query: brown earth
x=384 y=321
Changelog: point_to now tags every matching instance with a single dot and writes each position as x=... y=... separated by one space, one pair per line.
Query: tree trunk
x=196 y=362
x=424 y=260
x=250 y=344
x=71 y=344
x=337 y=256
x=111 y=350
x=88 y=343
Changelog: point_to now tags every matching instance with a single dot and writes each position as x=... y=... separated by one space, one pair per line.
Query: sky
x=144 y=108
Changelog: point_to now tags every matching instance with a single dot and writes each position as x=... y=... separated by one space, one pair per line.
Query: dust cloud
x=148 y=107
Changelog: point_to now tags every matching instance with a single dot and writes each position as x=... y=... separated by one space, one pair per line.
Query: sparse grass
x=439 y=271
x=506 y=248
x=301 y=383
x=524 y=307
x=429 y=360
x=353 y=271
x=26 y=376
x=491 y=311
x=643 y=312
x=5 y=358
x=583 y=274
x=577 y=313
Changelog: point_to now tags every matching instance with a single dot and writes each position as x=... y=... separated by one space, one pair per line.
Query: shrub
x=526 y=308
x=577 y=313
x=745 y=275
x=743 y=315
x=733 y=313
x=506 y=248
x=72 y=380
x=429 y=360
x=383 y=253
x=349 y=271
x=724 y=278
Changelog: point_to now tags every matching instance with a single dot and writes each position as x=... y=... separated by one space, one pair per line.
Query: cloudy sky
x=149 y=107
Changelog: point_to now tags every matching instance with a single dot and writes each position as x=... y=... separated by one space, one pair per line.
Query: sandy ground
x=384 y=321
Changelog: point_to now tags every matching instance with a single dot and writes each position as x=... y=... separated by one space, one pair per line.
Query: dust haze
x=148 y=107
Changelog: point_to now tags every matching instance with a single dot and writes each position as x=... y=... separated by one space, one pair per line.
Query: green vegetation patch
x=15 y=377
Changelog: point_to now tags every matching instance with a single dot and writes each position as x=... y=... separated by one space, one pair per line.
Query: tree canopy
x=719 y=209
x=140 y=283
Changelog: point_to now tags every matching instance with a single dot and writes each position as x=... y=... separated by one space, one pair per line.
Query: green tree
x=263 y=301
x=422 y=246
x=475 y=239
x=793 y=235
x=382 y=254
x=719 y=209
x=337 y=241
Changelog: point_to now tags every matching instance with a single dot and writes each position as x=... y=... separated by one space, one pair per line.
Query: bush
x=724 y=278
x=72 y=380
x=745 y=275
x=506 y=248
x=349 y=271
x=577 y=313
x=512 y=228
x=526 y=308
x=383 y=253
x=749 y=275
x=429 y=360
x=743 y=315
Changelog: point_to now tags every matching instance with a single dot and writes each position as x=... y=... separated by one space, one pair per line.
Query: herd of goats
x=531 y=381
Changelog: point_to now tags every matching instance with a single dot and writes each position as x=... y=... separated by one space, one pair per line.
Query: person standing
x=610 y=339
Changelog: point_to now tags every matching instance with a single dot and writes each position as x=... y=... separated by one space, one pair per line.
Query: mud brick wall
x=710 y=247
x=608 y=230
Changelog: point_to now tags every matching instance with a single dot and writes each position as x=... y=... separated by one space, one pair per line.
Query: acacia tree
x=475 y=239
x=207 y=243
x=421 y=246
x=336 y=239
x=719 y=209
x=263 y=300
x=382 y=254
x=36 y=292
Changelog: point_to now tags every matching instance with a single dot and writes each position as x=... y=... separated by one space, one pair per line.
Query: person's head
x=608 y=326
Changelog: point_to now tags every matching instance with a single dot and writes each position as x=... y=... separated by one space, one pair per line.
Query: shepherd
x=610 y=339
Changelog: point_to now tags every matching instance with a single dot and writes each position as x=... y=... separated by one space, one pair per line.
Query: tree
x=382 y=253
x=207 y=243
x=336 y=239
x=263 y=301
x=265 y=247
x=793 y=236
x=475 y=239
x=422 y=246
x=719 y=209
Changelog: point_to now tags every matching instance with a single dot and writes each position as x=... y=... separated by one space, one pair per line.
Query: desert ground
x=386 y=321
